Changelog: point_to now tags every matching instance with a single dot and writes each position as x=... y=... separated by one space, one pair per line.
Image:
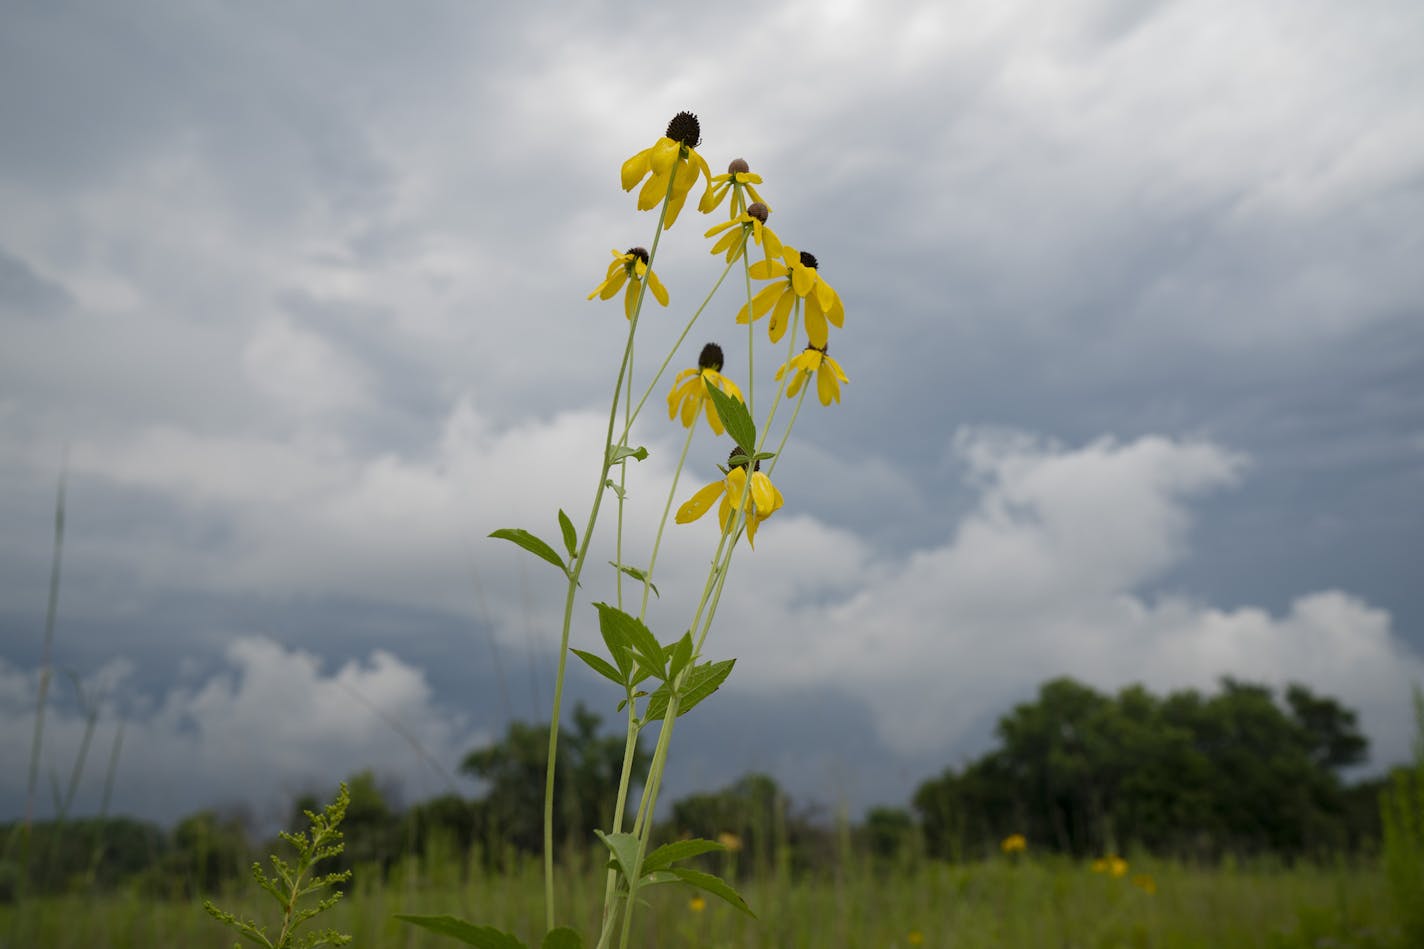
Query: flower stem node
x=802 y=280
x=630 y=267
x=673 y=160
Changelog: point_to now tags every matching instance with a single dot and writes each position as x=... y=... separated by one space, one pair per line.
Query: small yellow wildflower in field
x=1111 y=864
x=729 y=840
x=697 y=904
x=915 y=938
x=1145 y=883
x=1014 y=843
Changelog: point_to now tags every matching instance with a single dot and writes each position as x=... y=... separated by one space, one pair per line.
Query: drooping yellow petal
x=762 y=495
x=761 y=302
x=767 y=270
x=825 y=293
x=836 y=314
x=630 y=299
x=714 y=421
x=836 y=368
x=662 y=156
x=635 y=168
x=816 y=331
x=826 y=386
x=779 y=320
x=720 y=227
x=656 y=285
x=802 y=279
x=614 y=283
x=794 y=386
x=652 y=192
x=697 y=505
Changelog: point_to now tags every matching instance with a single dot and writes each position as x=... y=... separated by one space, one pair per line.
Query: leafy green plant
x=293 y=884
x=660 y=679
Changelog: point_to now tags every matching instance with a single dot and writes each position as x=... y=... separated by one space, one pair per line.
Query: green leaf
x=702 y=680
x=532 y=544
x=735 y=418
x=600 y=665
x=714 y=885
x=630 y=630
x=608 y=483
x=563 y=938
x=485 y=937
x=763 y=455
x=668 y=854
x=636 y=574
x=622 y=452
x=681 y=654
x=624 y=848
x=570 y=535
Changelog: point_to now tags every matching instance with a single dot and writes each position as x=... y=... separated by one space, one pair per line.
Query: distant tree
x=585 y=782
x=1082 y=772
x=890 y=833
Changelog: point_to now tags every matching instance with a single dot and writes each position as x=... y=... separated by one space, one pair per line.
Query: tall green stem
x=577 y=570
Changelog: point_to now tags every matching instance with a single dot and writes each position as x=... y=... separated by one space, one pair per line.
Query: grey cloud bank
x=1133 y=331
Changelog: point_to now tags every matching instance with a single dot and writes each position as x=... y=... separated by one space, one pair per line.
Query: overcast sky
x=297 y=292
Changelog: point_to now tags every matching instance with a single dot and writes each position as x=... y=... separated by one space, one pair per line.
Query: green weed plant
x=294 y=886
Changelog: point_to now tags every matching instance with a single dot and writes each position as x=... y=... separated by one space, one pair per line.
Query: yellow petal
x=751 y=531
x=825 y=293
x=714 y=421
x=802 y=280
x=635 y=168
x=782 y=371
x=656 y=285
x=652 y=192
x=815 y=325
x=663 y=155
x=794 y=386
x=630 y=299
x=613 y=283
x=826 y=386
x=697 y=505
x=836 y=314
x=779 y=321
x=767 y=270
x=762 y=493
x=836 y=368
x=720 y=227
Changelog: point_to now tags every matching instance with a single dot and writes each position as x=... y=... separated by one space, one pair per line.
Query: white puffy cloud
x=270 y=723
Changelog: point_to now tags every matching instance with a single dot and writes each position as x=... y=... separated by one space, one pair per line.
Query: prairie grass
x=1000 y=903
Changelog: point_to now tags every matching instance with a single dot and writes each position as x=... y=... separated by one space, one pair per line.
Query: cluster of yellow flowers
x=1014 y=843
x=667 y=170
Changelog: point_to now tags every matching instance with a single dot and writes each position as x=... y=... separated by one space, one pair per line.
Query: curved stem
x=662 y=524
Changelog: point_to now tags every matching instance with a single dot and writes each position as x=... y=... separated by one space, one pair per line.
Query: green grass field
x=1030 y=903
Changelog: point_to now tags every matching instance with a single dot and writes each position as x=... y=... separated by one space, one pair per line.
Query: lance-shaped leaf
x=485 y=937
x=570 y=535
x=714 y=885
x=532 y=544
x=702 y=680
x=735 y=417
x=668 y=854
x=679 y=655
x=600 y=665
x=618 y=626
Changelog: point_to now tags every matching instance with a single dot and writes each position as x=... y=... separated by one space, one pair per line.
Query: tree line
x=1076 y=771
